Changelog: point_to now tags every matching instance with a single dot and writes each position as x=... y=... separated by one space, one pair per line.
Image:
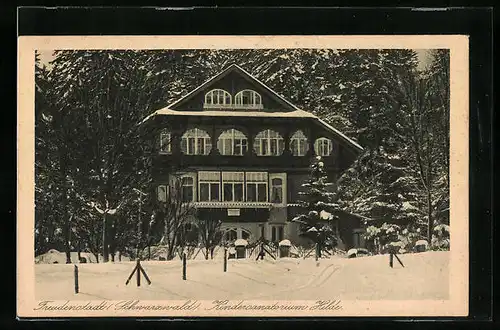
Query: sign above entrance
x=233 y=212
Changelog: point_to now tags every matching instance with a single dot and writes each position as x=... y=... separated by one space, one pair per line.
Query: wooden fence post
x=184 y=266
x=391 y=257
x=138 y=272
x=225 y=259
x=76 y=279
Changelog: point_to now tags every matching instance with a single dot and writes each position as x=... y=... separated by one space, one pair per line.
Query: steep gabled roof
x=296 y=113
x=223 y=73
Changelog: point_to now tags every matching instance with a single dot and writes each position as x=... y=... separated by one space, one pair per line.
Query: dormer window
x=217 y=98
x=248 y=99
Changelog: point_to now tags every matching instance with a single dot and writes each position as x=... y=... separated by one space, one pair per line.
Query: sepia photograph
x=198 y=180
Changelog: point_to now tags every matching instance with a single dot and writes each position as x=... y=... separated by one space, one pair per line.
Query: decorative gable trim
x=296 y=113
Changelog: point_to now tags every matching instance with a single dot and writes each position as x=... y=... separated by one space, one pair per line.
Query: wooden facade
x=269 y=111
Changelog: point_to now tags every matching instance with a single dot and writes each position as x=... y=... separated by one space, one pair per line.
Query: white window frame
x=232 y=132
x=269 y=136
x=196 y=134
x=264 y=180
x=323 y=147
x=275 y=229
x=181 y=177
x=299 y=138
x=165 y=135
x=209 y=182
x=226 y=234
x=165 y=192
x=220 y=94
x=255 y=100
x=282 y=177
x=244 y=230
x=226 y=180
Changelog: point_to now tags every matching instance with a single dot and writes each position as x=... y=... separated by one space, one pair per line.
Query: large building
x=242 y=152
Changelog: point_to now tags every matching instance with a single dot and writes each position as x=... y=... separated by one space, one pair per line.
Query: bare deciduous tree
x=176 y=210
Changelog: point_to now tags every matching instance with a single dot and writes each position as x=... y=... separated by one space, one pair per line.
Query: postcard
x=188 y=176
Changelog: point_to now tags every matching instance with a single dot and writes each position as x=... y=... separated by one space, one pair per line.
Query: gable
x=233 y=80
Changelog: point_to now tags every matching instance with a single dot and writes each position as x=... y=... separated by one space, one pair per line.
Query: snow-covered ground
x=425 y=276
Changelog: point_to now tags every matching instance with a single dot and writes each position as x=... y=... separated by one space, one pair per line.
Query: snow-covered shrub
x=381 y=237
x=157 y=251
x=441 y=237
x=409 y=238
x=421 y=245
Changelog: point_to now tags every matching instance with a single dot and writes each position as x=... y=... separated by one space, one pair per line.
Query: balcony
x=233 y=106
x=233 y=205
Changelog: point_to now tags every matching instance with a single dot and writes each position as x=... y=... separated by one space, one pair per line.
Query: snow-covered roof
x=240 y=242
x=296 y=113
x=229 y=113
x=285 y=242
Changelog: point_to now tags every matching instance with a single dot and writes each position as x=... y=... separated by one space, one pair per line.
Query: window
x=245 y=234
x=256 y=186
x=277 y=190
x=277 y=233
x=209 y=186
x=196 y=142
x=358 y=239
x=233 y=186
x=298 y=144
x=187 y=188
x=162 y=193
x=217 y=98
x=232 y=143
x=231 y=235
x=268 y=143
x=323 y=147
x=248 y=99
x=165 y=145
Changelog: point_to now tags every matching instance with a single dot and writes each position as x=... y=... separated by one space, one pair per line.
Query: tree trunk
x=105 y=250
x=119 y=256
x=112 y=239
x=79 y=251
x=430 y=219
x=212 y=252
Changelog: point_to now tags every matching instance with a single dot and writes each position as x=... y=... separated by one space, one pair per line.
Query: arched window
x=196 y=142
x=248 y=99
x=217 y=98
x=268 y=143
x=245 y=234
x=232 y=143
x=323 y=146
x=298 y=144
x=231 y=235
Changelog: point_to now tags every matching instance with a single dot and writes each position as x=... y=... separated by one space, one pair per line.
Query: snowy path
x=425 y=276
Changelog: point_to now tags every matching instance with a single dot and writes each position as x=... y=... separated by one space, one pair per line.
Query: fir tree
x=317 y=203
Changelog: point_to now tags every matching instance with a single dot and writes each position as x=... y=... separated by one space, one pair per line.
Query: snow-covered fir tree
x=316 y=201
